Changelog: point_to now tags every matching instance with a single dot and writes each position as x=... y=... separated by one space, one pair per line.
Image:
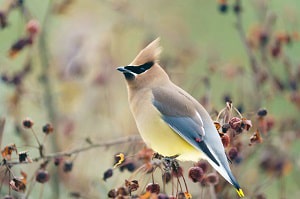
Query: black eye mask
x=139 y=69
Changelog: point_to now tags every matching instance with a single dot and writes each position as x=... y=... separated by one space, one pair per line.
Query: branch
x=133 y=138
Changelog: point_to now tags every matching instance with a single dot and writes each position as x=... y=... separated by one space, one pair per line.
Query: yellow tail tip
x=240 y=192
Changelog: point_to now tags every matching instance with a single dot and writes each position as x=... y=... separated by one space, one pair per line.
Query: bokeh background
x=67 y=77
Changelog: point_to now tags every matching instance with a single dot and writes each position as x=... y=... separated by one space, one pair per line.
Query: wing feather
x=183 y=119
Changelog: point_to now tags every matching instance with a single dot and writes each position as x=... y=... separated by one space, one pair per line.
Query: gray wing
x=178 y=111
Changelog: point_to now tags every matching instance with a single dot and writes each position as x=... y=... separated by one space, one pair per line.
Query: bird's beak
x=123 y=70
x=127 y=73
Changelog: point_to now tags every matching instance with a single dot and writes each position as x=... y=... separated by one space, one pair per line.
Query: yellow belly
x=161 y=138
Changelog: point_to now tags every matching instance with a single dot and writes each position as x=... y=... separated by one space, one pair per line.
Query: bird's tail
x=240 y=192
x=224 y=170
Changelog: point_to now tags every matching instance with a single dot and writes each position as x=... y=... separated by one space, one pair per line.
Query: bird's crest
x=149 y=54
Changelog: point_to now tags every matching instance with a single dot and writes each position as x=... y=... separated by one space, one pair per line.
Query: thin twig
x=35 y=136
x=252 y=60
x=133 y=138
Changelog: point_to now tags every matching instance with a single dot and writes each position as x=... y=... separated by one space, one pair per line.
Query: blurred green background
x=74 y=85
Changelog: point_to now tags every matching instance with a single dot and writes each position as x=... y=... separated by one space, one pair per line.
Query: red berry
x=225 y=140
x=122 y=191
x=33 y=27
x=235 y=124
x=177 y=172
x=275 y=51
x=166 y=177
x=153 y=188
x=203 y=165
x=112 y=193
x=233 y=153
x=212 y=178
x=195 y=174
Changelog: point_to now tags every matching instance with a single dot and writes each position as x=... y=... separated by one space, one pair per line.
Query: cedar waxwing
x=171 y=121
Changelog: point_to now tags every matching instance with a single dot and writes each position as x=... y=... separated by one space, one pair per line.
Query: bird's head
x=144 y=70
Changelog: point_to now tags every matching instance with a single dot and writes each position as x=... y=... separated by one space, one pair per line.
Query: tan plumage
x=170 y=120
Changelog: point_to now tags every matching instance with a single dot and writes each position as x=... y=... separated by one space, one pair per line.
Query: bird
x=169 y=120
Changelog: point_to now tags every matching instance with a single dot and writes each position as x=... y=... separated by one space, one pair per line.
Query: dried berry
x=166 y=177
x=177 y=171
x=262 y=112
x=212 y=178
x=57 y=161
x=122 y=191
x=196 y=174
x=132 y=185
x=7 y=151
x=181 y=195
x=112 y=193
x=223 y=7
x=237 y=8
x=203 y=165
x=153 y=188
x=270 y=122
x=130 y=166
x=68 y=166
x=162 y=196
x=225 y=127
x=263 y=39
x=276 y=51
x=225 y=140
x=107 y=174
x=42 y=176
x=48 y=128
x=17 y=185
x=246 y=124
x=266 y=163
x=256 y=138
x=239 y=125
x=233 y=153
x=28 y=123
x=227 y=98
x=260 y=196
x=235 y=124
x=203 y=182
